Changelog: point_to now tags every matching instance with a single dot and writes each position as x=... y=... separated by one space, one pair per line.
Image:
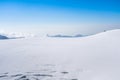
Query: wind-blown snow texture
x=94 y=57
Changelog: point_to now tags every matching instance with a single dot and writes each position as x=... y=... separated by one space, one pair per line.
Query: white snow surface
x=95 y=57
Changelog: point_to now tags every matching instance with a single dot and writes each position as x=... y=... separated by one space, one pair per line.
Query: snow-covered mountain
x=65 y=36
x=93 y=57
x=14 y=35
x=3 y=37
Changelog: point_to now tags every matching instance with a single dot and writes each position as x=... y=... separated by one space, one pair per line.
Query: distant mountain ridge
x=65 y=36
x=3 y=37
x=14 y=35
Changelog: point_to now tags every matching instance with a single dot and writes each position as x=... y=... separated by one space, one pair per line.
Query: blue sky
x=59 y=16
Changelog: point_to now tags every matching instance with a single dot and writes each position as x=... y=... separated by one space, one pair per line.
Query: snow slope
x=87 y=58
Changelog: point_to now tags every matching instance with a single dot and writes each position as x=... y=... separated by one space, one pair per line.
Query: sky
x=59 y=16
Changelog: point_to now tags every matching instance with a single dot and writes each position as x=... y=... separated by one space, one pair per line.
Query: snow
x=93 y=57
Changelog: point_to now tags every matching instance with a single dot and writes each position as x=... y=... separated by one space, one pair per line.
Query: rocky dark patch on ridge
x=16 y=75
x=64 y=72
x=74 y=79
x=44 y=75
x=65 y=36
x=3 y=37
x=3 y=76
